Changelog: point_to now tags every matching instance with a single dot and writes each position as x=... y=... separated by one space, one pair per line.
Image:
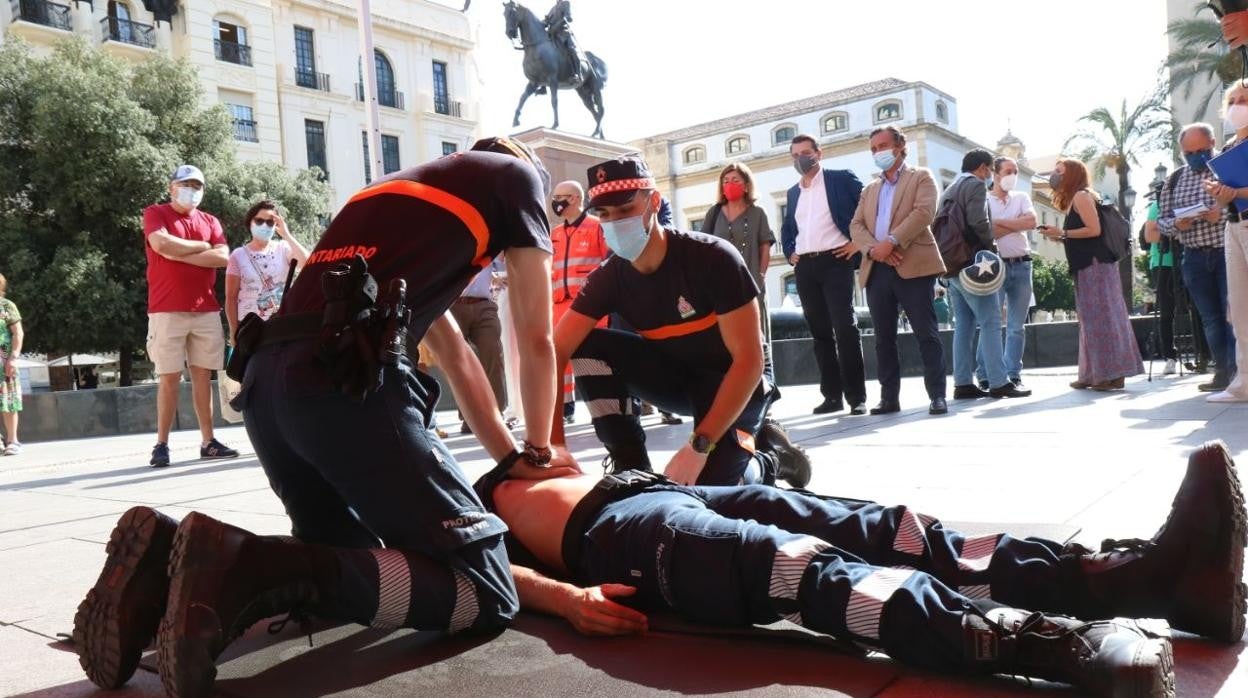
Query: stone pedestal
x=568 y=155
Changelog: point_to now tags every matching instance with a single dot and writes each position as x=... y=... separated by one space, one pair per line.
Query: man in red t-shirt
x=185 y=247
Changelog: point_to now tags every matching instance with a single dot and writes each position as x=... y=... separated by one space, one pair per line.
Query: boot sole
x=777 y=441
x=1193 y=611
x=187 y=663
x=1151 y=674
x=109 y=636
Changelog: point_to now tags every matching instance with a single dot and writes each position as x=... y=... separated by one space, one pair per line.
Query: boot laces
x=300 y=616
x=1028 y=628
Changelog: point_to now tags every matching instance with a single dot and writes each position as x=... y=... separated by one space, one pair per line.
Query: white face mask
x=1008 y=182
x=190 y=198
x=1238 y=116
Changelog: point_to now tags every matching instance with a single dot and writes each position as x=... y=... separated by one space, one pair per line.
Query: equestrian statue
x=552 y=61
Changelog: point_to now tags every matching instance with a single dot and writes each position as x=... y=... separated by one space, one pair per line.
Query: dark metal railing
x=391 y=98
x=443 y=105
x=49 y=14
x=125 y=31
x=312 y=79
x=232 y=52
x=245 y=130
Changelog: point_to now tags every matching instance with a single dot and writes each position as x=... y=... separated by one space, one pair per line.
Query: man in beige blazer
x=900 y=264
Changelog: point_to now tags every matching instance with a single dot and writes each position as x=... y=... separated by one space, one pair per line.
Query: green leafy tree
x=1200 y=63
x=86 y=143
x=1052 y=285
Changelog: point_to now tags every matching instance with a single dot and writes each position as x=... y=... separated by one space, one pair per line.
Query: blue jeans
x=972 y=312
x=1016 y=294
x=733 y=556
x=1204 y=274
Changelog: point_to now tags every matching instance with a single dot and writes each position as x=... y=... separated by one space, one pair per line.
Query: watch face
x=700 y=443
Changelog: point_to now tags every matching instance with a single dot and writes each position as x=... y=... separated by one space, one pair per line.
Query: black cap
x=616 y=182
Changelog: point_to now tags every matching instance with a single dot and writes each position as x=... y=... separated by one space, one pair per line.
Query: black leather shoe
x=968 y=392
x=938 y=406
x=858 y=409
x=886 y=407
x=1216 y=385
x=983 y=385
x=1009 y=390
x=828 y=406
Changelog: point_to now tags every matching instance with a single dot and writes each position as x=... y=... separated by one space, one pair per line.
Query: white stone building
x=687 y=162
x=289 y=71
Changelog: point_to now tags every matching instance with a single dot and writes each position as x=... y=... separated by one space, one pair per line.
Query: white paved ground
x=1105 y=463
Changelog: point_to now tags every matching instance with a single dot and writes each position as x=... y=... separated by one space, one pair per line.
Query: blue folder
x=1231 y=167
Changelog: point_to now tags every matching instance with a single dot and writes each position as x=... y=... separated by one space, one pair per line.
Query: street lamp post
x=1126 y=266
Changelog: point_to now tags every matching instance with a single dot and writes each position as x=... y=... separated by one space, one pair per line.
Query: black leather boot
x=223 y=579
x=792 y=463
x=1118 y=657
x=1190 y=572
x=120 y=614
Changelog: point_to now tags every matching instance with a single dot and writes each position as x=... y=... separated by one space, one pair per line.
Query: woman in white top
x=255 y=276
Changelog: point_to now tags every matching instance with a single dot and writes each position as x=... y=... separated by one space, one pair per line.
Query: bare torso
x=537 y=511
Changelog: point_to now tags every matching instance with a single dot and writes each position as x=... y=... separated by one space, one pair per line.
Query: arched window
x=835 y=122
x=694 y=154
x=387 y=95
x=783 y=134
x=385 y=79
x=738 y=145
x=887 y=111
x=942 y=112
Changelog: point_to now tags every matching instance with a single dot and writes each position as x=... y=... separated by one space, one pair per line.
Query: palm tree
x=1201 y=59
x=1114 y=141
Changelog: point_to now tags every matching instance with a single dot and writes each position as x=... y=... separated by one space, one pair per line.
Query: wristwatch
x=538 y=456
x=701 y=444
x=893 y=240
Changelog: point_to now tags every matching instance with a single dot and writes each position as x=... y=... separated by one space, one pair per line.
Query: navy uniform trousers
x=415 y=547
x=613 y=366
x=887 y=577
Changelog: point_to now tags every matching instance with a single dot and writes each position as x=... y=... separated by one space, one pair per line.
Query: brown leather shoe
x=1080 y=385
x=1105 y=386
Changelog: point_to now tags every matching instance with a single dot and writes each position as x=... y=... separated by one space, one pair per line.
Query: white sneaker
x=1226 y=396
x=1172 y=367
x=13 y=448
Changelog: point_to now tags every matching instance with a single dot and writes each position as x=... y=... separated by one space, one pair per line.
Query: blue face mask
x=1198 y=161
x=262 y=232
x=627 y=237
x=885 y=159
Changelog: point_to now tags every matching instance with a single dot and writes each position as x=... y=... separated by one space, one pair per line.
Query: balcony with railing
x=448 y=107
x=245 y=130
x=312 y=79
x=42 y=13
x=386 y=98
x=232 y=52
x=127 y=32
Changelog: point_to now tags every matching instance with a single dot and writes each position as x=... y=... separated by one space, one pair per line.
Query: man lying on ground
x=888 y=578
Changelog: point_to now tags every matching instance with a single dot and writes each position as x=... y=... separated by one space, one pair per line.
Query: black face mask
x=559 y=206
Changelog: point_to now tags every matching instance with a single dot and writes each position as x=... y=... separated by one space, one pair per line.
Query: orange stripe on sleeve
x=681 y=329
x=463 y=210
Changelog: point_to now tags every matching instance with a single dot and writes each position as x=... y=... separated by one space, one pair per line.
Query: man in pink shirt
x=185 y=247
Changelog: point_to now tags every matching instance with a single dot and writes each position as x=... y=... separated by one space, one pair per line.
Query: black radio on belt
x=397 y=316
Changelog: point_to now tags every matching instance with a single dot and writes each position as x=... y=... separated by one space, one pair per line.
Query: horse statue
x=549 y=67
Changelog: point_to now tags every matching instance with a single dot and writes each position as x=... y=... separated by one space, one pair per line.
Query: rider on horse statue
x=558 y=23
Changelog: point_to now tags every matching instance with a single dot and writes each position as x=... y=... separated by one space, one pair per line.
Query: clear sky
x=1035 y=67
